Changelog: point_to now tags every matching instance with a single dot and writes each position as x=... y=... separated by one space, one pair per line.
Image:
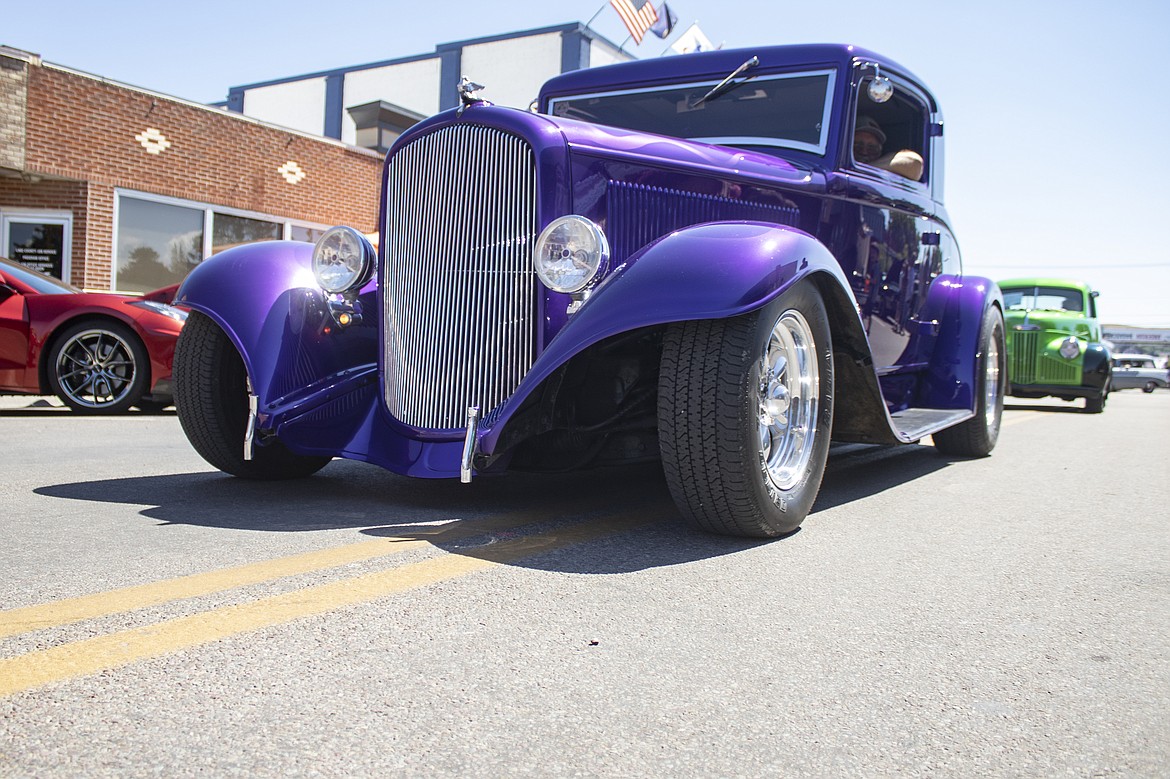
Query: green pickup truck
x=1054 y=341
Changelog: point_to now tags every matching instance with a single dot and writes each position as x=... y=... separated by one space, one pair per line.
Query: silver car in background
x=1137 y=371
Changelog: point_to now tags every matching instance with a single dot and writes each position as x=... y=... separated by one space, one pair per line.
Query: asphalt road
x=1008 y=616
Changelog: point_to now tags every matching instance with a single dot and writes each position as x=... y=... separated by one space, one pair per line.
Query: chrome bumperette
x=470 y=441
x=459 y=288
x=250 y=428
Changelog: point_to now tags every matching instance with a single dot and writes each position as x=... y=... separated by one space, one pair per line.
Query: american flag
x=638 y=15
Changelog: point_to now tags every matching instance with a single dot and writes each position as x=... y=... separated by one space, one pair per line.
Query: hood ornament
x=467 y=89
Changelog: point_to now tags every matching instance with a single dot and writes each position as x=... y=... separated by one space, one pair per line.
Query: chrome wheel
x=788 y=396
x=95 y=369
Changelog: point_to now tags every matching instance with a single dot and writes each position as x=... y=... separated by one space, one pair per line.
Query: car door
x=13 y=337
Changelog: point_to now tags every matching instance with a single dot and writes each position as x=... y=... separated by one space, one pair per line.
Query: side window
x=891 y=135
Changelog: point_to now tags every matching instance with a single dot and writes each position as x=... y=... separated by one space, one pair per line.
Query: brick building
x=110 y=186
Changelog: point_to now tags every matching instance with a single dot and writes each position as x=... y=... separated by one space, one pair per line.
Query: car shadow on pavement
x=603 y=521
x=43 y=409
x=858 y=471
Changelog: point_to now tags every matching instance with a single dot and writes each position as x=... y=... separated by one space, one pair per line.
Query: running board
x=915 y=423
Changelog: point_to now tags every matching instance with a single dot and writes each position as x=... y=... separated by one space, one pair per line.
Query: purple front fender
x=265 y=298
x=709 y=271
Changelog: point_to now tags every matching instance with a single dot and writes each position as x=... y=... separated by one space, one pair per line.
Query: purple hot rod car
x=722 y=260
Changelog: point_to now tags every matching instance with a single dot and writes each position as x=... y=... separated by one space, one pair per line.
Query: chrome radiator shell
x=458 y=287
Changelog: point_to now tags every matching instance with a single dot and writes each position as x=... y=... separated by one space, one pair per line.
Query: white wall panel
x=603 y=54
x=296 y=104
x=513 y=70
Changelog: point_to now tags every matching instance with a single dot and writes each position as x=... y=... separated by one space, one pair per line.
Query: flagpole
x=599 y=10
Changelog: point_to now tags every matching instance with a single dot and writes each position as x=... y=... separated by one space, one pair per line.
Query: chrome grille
x=458 y=286
x=1024 y=346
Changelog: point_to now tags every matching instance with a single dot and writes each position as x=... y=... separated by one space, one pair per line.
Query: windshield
x=46 y=285
x=790 y=111
x=1045 y=299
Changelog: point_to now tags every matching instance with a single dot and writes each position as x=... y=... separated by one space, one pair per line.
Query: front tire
x=745 y=413
x=977 y=436
x=1149 y=387
x=1097 y=405
x=211 y=399
x=99 y=367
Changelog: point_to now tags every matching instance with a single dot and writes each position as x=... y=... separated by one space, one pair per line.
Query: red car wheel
x=99 y=367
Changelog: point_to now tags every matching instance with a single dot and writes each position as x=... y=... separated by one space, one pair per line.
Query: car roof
x=714 y=64
x=1046 y=281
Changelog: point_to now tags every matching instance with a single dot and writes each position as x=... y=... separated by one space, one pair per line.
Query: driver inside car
x=868 y=143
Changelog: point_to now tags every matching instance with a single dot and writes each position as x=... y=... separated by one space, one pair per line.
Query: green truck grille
x=1029 y=364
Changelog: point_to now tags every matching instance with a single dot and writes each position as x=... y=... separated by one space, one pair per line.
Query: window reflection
x=158 y=244
x=228 y=231
x=307 y=234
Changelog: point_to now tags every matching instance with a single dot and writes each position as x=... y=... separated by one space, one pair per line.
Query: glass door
x=40 y=241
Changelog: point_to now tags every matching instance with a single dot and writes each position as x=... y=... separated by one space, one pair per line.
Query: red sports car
x=100 y=352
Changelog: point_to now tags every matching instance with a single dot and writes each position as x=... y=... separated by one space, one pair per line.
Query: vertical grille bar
x=459 y=288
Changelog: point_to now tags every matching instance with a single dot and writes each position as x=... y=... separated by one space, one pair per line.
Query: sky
x=1054 y=111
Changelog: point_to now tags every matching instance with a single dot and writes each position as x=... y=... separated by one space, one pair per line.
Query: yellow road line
x=101 y=653
x=62 y=612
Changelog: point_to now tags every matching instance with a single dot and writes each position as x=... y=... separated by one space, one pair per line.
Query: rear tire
x=1149 y=387
x=745 y=413
x=211 y=399
x=977 y=436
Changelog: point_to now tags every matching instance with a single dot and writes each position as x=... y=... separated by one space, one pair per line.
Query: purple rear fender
x=709 y=271
x=954 y=367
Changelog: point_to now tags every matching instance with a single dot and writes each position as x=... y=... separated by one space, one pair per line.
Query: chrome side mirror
x=880 y=89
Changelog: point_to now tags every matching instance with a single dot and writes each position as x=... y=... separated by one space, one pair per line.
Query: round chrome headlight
x=342 y=260
x=569 y=253
x=1070 y=348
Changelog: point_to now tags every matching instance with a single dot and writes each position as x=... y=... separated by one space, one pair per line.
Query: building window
x=378 y=124
x=158 y=244
x=229 y=231
x=159 y=240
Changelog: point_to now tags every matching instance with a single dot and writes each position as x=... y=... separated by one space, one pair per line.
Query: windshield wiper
x=726 y=84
